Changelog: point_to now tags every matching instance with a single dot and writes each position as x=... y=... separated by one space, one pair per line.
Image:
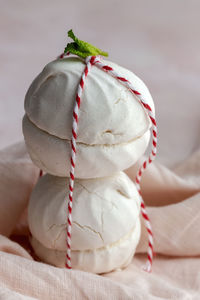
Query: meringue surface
x=104 y=210
x=52 y=154
x=101 y=260
x=109 y=112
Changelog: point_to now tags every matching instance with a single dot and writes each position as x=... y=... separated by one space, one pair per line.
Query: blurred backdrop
x=157 y=40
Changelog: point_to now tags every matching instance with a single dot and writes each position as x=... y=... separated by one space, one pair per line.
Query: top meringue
x=109 y=112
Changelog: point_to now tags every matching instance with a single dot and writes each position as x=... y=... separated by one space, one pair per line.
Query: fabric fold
x=172 y=198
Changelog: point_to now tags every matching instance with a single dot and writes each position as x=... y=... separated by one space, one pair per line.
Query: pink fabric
x=173 y=199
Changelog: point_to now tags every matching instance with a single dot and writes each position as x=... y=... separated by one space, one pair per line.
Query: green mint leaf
x=81 y=48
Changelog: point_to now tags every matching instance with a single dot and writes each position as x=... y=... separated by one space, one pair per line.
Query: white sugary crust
x=109 y=112
x=52 y=154
x=104 y=210
x=102 y=260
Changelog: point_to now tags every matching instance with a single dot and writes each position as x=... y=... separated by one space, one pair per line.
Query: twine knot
x=92 y=59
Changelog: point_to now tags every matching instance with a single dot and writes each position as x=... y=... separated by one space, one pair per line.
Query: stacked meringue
x=113 y=133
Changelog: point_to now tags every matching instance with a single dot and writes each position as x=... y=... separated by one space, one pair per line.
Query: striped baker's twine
x=95 y=60
x=89 y=63
x=151 y=115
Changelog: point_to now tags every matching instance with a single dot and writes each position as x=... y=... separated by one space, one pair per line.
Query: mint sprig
x=81 y=48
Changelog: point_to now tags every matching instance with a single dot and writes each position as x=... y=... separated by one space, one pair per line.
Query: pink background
x=158 y=40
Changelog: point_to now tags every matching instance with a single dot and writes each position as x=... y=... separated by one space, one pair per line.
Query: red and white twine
x=90 y=61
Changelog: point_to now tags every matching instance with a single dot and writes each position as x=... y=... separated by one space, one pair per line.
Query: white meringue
x=109 y=112
x=101 y=260
x=52 y=154
x=110 y=115
x=105 y=213
x=104 y=210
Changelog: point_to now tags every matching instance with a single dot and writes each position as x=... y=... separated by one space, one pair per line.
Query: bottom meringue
x=102 y=260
